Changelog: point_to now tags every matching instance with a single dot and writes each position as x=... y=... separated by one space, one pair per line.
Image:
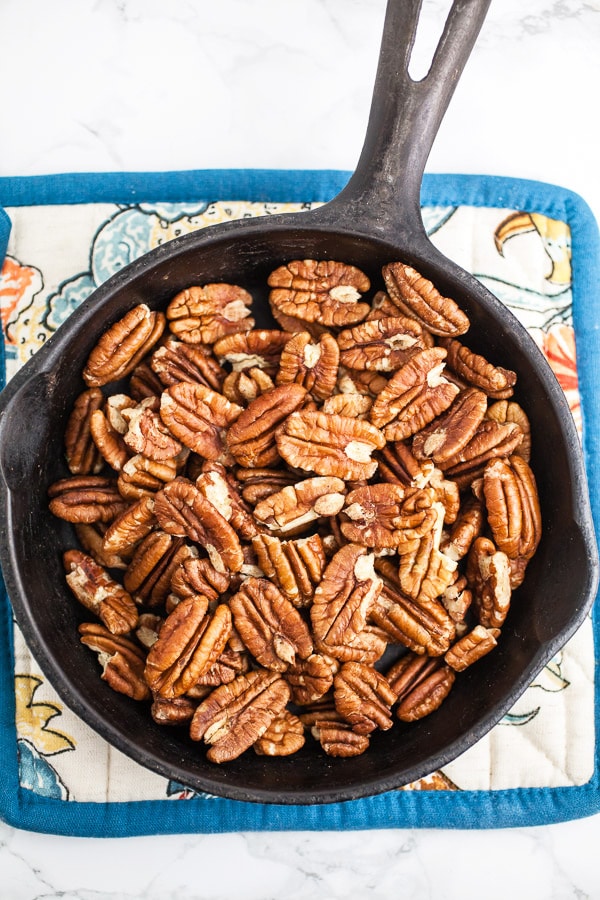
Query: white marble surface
x=287 y=83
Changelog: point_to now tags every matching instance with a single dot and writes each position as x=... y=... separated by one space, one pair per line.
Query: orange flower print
x=18 y=285
x=558 y=346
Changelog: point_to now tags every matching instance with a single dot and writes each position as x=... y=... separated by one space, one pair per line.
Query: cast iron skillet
x=374 y=220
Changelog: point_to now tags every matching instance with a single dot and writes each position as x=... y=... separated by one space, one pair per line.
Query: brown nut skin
x=415 y=296
x=472 y=647
x=251 y=439
x=284 y=736
x=313 y=364
x=271 y=628
x=203 y=314
x=130 y=527
x=176 y=361
x=512 y=505
x=329 y=445
x=183 y=511
x=295 y=566
x=473 y=368
x=426 y=693
x=123 y=346
x=322 y=291
x=363 y=697
x=235 y=715
x=122 y=661
x=95 y=589
x=260 y=349
x=449 y=433
x=295 y=508
x=85 y=499
x=381 y=345
x=189 y=643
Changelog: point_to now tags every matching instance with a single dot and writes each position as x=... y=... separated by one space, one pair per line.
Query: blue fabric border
x=23 y=808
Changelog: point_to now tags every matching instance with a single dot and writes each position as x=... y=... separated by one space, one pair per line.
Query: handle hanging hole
x=430 y=27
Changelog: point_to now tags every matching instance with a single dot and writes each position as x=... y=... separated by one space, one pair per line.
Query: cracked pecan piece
x=176 y=361
x=343 y=599
x=329 y=445
x=297 y=506
x=338 y=738
x=123 y=345
x=260 y=349
x=81 y=452
x=310 y=679
x=203 y=314
x=472 y=647
x=109 y=442
x=311 y=363
x=284 y=736
x=251 y=439
x=198 y=417
x=270 y=626
x=141 y=476
x=190 y=641
x=220 y=489
x=177 y=711
x=421 y=685
x=86 y=499
x=398 y=465
x=496 y=382
x=147 y=434
x=356 y=406
x=382 y=345
x=490 y=440
x=416 y=394
x=98 y=592
x=423 y=629
x=91 y=538
x=235 y=715
x=320 y=291
x=504 y=411
x=295 y=566
x=258 y=484
x=488 y=576
x=363 y=697
x=416 y=296
x=122 y=661
x=468 y=525
x=425 y=572
x=199 y=576
x=245 y=386
x=183 y=511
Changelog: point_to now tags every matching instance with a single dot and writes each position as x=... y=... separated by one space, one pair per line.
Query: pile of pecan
x=305 y=530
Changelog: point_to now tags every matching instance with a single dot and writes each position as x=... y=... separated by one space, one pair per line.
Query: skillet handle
x=383 y=194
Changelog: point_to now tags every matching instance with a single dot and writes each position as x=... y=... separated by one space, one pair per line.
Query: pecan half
x=203 y=314
x=382 y=345
x=473 y=368
x=297 y=506
x=414 y=396
x=344 y=598
x=468 y=526
x=147 y=434
x=504 y=411
x=182 y=510
x=490 y=440
x=220 y=489
x=488 y=576
x=320 y=291
x=245 y=386
x=417 y=297
x=199 y=576
x=314 y=365
x=338 y=738
x=512 y=505
x=472 y=647
x=258 y=484
x=83 y=457
x=295 y=566
x=198 y=417
x=130 y=527
x=109 y=442
x=363 y=697
x=95 y=589
x=251 y=440
x=421 y=684
x=284 y=736
x=449 y=433
x=177 y=711
x=121 y=660
x=189 y=643
x=123 y=345
x=379 y=515
x=177 y=361
x=329 y=445
x=235 y=715
x=91 y=538
x=271 y=628
x=148 y=575
x=141 y=476
x=422 y=629
x=310 y=679
x=85 y=498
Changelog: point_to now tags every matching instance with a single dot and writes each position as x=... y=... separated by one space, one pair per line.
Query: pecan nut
x=81 y=452
x=235 y=715
x=85 y=498
x=416 y=296
x=176 y=361
x=330 y=445
x=422 y=686
x=95 y=589
x=472 y=647
x=270 y=626
x=123 y=346
x=198 y=417
x=297 y=506
x=449 y=433
x=363 y=697
x=251 y=440
x=284 y=736
x=314 y=365
x=121 y=660
x=320 y=291
x=203 y=314
x=295 y=566
x=382 y=345
x=260 y=349
x=130 y=527
x=513 y=508
x=473 y=368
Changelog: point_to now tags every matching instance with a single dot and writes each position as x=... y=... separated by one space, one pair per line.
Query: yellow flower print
x=554 y=235
x=33 y=718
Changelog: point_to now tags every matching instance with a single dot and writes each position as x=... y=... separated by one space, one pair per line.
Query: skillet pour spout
x=375 y=220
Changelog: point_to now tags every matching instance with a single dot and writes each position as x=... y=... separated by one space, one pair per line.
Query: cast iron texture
x=374 y=220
